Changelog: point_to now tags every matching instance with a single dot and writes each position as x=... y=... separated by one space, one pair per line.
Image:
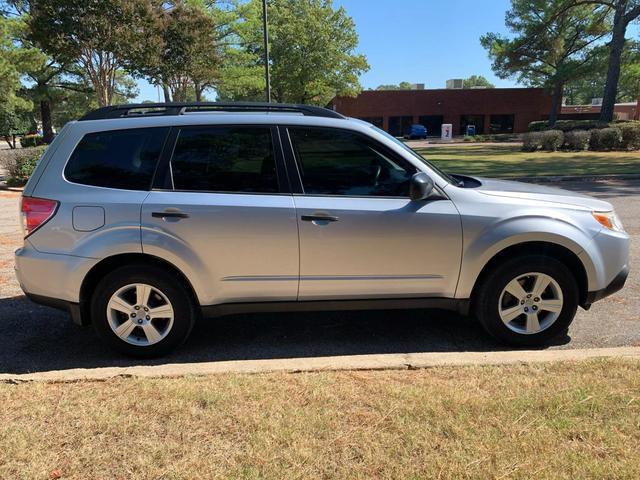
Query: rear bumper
x=616 y=284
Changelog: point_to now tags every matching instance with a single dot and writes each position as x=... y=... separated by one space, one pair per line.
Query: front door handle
x=169 y=215
x=318 y=218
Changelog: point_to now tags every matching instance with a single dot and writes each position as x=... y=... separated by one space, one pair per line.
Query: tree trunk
x=637 y=115
x=613 y=72
x=198 y=91
x=166 y=93
x=45 y=115
x=556 y=104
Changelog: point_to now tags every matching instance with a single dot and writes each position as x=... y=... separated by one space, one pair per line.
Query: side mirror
x=421 y=186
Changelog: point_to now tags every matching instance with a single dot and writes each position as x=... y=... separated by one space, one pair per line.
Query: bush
x=608 y=138
x=630 y=135
x=552 y=140
x=31 y=141
x=566 y=125
x=20 y=164
x=531 y=141
x=577 y=139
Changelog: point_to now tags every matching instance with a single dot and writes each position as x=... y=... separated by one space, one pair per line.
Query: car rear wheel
x=527 y=300
x=143 y=311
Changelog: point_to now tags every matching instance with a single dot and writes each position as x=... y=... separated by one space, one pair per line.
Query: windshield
x=444 y=175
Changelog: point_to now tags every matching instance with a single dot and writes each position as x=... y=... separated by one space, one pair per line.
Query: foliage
x=312 y=51
x=27 y=141
x=604 y=139
x=550 y=47
x=477 y=81
x=552 y=140
x=13 y=123
x=577 y=140
x=98 y=35
x=183 y=54
x=392 y=86
x=630 y=135
x=531 y=141
x=566 y=125
x=21 y=163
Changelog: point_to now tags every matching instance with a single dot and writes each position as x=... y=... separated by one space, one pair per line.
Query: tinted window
x=224 y=159
x=117 y=158
x=336 y=162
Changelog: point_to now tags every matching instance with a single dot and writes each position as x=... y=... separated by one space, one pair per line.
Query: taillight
x=35 y=212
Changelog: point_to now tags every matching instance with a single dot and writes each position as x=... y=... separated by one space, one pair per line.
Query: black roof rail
x=179 y=108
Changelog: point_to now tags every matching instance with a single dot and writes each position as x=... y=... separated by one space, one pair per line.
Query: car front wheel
x=528 y=300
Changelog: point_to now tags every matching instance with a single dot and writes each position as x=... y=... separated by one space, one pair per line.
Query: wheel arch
x=553 y=250
x=109 y=264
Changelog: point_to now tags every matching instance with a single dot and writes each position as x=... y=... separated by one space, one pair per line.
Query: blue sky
x=419 y=41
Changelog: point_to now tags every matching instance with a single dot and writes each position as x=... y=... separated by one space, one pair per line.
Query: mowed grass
x=560 y=421
x=510 y=161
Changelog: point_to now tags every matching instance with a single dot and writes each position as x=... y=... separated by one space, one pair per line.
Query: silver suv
x=140 y=219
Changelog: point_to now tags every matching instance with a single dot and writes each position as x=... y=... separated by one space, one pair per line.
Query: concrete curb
x=394 y=361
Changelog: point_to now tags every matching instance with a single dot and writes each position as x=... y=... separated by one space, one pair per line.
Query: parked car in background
x=140 y=219
x=416 y=132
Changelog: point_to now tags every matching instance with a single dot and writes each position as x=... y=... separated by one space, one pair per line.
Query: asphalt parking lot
x=35 y=339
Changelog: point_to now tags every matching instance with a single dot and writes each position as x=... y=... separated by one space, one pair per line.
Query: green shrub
x=609 y=138
x=577 y=139
x=467 y=138
x=630 y=135
x=531 y=141
x=21 y=163
x=566 y=125
x=552 y=140
x=31 y=141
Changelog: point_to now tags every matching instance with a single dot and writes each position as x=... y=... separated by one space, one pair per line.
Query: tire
x=123 y=290
x=494 y=301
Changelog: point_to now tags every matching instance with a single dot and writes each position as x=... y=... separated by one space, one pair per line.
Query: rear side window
x=224 y=159
x=124 y=159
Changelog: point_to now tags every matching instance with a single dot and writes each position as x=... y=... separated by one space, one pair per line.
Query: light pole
x=266 y=50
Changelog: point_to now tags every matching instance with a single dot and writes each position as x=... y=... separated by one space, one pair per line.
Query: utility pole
x=266 y=50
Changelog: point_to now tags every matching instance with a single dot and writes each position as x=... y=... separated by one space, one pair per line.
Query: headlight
x=609 y=220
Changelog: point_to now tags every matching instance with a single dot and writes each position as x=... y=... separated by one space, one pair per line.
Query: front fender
x=481 y=246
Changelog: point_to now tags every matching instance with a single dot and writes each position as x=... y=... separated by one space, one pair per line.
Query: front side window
x=338 y=162
x=224 y=159
x=124 y=159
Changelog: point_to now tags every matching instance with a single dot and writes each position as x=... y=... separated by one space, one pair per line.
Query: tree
x=625 y=12
x=98 y=35
x=13 y=108
x=183 y=56
x=392 y=86
x=312 y=50
x=551 y=45
x=477 y=81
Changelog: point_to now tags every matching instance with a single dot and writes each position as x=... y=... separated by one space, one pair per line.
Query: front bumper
x=616 y=285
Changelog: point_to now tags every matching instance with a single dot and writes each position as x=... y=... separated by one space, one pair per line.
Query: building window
x=501 y=123
x=397 y=125
x=475 y=120
x=433 y=124
x=375 y=121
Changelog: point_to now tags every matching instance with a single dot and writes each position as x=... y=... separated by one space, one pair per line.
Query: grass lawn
x=562 y=420
x=509 y=161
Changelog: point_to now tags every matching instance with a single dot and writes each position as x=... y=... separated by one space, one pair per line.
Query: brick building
x=622 y=111
x=491 y=110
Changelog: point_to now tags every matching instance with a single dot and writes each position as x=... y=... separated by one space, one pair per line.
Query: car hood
x=530 y=191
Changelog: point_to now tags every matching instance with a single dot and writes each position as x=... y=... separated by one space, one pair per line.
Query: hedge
x=20 y=164
x=577 y=140
x=552 y=140
x=567 y=125
x=31 y=141
x=609 y=138
x=630 y=135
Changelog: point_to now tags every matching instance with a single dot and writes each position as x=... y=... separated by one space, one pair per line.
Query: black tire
x=486 y=300
x=170 y=285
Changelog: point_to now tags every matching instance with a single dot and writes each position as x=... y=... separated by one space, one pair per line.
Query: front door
x=224 y=217
x=360 y=234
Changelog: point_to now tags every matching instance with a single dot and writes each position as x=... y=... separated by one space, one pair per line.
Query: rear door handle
x=169 y=215
x=318 y=218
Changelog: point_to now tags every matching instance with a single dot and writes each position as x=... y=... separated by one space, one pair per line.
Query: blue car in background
x=415 y=131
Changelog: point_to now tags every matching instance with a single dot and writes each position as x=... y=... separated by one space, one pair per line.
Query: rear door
x=361 y=236
x=221 y=211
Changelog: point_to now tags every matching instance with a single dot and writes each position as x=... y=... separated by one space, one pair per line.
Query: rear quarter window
x=124 y=159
